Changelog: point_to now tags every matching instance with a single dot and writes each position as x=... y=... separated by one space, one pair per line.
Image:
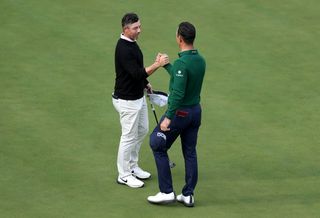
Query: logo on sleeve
x=179 y=73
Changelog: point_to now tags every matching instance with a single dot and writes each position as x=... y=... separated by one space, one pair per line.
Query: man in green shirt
x=182 y=118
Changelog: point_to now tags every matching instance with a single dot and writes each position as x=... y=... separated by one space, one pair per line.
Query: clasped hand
x=162 y=59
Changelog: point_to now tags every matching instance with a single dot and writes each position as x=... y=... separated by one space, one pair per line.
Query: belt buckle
x=180 y=113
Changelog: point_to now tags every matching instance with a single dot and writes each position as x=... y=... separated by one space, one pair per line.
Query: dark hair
x=187 y=31
x=129 y=18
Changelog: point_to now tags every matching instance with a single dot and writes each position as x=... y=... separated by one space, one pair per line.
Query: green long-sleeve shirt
x=186 y=77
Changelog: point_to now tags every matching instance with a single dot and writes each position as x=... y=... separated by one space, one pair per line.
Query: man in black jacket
x=129 y=100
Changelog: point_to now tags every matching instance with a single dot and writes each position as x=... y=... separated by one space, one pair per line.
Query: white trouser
x=134 y=127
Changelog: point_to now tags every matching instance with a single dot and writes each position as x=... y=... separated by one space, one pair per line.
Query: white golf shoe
x=162 y=198
x=188 y=201
x=130 y=181
x=140 y=173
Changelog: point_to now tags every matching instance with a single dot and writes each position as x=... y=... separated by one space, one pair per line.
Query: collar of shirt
x=126 y=38
x=188 y=52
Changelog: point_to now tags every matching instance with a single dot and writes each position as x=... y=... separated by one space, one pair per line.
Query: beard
x=136 y=37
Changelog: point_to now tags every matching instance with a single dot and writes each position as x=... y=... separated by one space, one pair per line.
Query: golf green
x=258 y=146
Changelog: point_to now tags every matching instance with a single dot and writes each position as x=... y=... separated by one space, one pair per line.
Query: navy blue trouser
x=185 y=123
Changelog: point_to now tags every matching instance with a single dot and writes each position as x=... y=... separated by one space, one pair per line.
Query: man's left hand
x=149 y=88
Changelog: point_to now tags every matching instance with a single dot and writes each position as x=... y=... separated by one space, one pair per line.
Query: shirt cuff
x=169 y=115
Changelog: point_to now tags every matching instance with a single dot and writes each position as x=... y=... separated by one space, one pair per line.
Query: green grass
x=259 y=141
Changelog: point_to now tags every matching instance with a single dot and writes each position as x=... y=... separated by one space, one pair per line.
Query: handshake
x=162 y=59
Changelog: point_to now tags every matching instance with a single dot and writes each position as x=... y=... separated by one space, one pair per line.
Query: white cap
x=158 y=99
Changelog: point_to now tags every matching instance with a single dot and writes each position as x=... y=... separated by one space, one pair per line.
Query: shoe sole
x=186 y=204
x=163 y=202
x=123 y=183
x=142 y=178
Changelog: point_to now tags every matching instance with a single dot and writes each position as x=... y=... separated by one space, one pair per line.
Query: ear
x=125 y=29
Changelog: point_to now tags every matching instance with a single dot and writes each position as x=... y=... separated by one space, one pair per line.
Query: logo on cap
x=160 y=134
